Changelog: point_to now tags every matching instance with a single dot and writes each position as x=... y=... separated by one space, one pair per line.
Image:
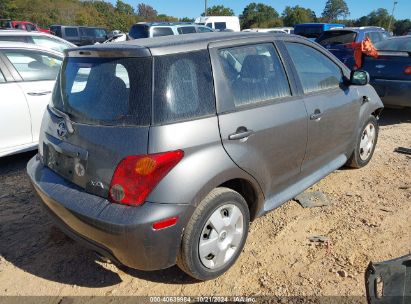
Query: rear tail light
x=407 y=70
x=136 y=176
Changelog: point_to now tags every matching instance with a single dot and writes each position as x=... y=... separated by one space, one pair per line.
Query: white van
x=220 y=23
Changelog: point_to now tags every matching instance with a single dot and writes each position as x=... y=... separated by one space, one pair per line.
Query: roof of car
x=32 y=33
x=177 y=43
x=27 y=46
x=358 y=29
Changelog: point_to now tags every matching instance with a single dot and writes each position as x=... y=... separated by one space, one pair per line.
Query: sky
x=193 y=8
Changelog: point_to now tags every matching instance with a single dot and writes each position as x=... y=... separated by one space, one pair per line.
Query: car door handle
x=242 y=132
x=316 y=115
x=39 y=93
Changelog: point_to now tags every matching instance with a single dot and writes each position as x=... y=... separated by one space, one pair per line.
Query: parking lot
x=369 y=219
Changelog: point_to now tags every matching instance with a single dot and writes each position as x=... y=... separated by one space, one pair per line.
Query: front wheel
x=215 y=235
x=365 y=144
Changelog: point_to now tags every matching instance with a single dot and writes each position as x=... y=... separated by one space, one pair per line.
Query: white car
x=27 y=76
x=38 y=38
x=220 y=23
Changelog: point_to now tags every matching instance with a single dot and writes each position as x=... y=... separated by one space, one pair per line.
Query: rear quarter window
x=139 y=31
x=183 y=87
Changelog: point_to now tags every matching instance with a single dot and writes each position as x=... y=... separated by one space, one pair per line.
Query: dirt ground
x=369 y=219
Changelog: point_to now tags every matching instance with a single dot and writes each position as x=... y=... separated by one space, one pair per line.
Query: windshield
x=337 y=37
x=312 y=31
x=110 y=91
x=395 y=44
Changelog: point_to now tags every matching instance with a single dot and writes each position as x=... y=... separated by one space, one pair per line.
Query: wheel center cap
x=223 y=235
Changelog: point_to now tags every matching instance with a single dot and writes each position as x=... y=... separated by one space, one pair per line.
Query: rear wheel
x=215 y=235
x=365 y=144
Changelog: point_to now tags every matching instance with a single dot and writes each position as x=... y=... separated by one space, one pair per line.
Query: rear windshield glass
x=337 y=37
x=139 y=31
x=110 y=91
x=183 y=87
x=313 y=31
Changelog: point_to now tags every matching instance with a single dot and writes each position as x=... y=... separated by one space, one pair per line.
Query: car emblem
x=380 y=66
x=80 y=170
x=62 y=129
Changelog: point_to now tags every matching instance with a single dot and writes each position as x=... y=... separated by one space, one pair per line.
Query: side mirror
x=359 y=77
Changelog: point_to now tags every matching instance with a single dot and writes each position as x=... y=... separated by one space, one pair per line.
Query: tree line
x=122 y=15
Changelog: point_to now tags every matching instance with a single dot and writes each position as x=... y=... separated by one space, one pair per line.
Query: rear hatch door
x=100 y=113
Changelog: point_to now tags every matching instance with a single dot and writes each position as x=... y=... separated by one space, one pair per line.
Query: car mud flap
x=389 y=282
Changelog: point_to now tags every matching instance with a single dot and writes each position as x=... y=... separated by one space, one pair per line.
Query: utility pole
x=392 y=16
x=205 y=8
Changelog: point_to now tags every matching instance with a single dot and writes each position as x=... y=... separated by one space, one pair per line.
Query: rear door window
x=109 y=91
x=254 y=73
x=33 y=65
x=316 y=71
x=183 y=87
x=162 y=31
x=204 y=29
x=71 y=32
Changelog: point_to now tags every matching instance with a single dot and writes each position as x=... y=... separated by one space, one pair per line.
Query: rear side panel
x=89 y=156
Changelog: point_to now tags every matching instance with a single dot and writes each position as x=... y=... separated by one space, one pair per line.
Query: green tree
x=186 y=19
x=402 y=27
x=219 y=10
x=124 y=8
x=146 y=12
x=334 y=9
x=380 y=17
x=297 y=14
x=165 y=18
x=259 y=15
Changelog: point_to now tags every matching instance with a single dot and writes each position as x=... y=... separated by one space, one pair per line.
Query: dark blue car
x=391 y=72
x=314 y=30
x=340 y=41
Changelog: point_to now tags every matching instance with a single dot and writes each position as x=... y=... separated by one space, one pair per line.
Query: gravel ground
x=369 y=219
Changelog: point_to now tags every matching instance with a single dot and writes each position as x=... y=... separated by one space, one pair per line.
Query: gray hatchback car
x=156 y=152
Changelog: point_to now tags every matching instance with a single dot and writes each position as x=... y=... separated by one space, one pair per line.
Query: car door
x=15 y=124
x=36 y=71
x=263 y=125
x=332 y=106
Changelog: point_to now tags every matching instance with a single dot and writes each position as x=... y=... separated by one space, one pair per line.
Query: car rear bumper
x=122 y=233
x=393 y=92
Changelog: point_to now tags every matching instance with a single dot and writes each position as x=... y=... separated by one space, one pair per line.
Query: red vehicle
x=27 y=26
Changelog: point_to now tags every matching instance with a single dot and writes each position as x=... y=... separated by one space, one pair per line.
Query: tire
x=216 y=222
x=363 y=151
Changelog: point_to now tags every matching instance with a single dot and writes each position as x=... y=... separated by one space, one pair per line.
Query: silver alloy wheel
x=367 y=141
x=221 y=236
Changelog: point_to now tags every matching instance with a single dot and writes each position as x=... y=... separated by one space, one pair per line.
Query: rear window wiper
x=63 y=115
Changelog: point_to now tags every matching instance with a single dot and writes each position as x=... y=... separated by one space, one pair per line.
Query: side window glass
x=316 y=71
x=186 y=30
x=162 y=31
x=220 y=25
x=33 y=66
x=71 y=31
x=50 y=43
x=183 y=87
x=203 y=29
x=210 y=25
x=254 y=73
x=2 y=79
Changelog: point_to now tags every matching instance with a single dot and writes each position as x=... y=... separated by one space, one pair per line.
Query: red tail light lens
x=407 y=70
x=136 y=176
